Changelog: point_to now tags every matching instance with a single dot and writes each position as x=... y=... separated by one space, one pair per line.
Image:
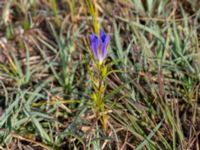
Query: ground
x=48 y=75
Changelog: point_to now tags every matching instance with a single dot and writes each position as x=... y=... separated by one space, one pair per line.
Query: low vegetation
x=151 y=92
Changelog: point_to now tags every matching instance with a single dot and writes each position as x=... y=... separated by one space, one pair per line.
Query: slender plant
x=99 y=71
x=98 y=74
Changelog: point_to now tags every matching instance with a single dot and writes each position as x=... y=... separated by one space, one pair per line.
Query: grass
x=152 y=103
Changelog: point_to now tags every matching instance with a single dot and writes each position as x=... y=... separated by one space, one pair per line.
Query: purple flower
x=99 y=45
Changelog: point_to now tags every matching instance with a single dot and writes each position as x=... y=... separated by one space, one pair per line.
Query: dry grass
x=45 y=90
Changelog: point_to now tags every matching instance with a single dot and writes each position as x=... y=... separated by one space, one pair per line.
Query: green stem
x=101 y=90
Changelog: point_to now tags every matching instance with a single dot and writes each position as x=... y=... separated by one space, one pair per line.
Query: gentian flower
x=99 y=45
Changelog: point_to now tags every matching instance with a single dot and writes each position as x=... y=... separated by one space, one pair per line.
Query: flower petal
x=105 y=38
x=102 y=35
x=94 y=45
